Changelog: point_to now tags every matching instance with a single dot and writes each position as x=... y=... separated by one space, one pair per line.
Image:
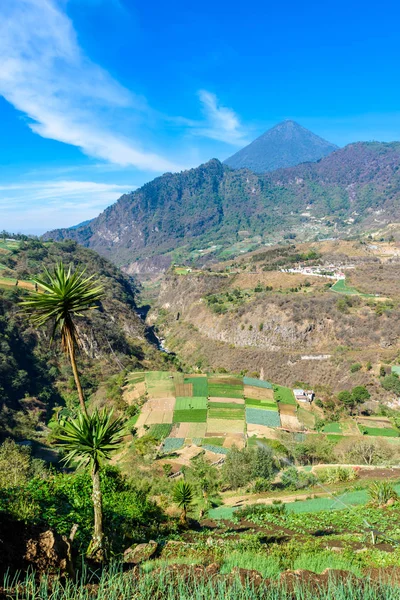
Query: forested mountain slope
x=215 y=207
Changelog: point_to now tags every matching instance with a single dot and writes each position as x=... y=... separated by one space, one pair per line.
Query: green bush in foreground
x=61 y=499
x=336 y=474
x=243 y=466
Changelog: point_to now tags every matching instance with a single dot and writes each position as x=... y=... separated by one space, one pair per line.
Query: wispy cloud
x=42 y=205
x=221 y=123
x=45 y=74
x=66 y=97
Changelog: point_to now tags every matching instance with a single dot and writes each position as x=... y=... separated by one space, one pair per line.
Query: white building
x=303 y=395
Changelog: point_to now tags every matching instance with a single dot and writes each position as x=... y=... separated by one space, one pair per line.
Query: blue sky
x=99 y=96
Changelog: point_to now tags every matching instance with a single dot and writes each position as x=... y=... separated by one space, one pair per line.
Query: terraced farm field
x=10 y=282
x=341 y=287
x=215 y=412
x=6 y=246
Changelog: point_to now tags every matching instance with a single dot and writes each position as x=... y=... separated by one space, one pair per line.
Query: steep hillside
x=293 y=326
x=360 y=177
x=285 y=145
x=215 y=212
x=156 y=218
x=34 y=376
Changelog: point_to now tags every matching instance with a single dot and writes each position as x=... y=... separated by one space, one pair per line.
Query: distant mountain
x=285 y=145
x=354 y=188
x=81 y=224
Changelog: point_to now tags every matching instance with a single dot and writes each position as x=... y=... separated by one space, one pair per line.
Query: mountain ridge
x=214 y=204
x=285 y=145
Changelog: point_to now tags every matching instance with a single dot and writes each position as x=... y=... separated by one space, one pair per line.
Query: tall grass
x=115 y=585
x=164 y=563
x=268 y=566
x=325 y=560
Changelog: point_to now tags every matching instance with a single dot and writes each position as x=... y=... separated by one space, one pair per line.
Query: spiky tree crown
x=63 y=294
x=183 y=494
x=90 y=439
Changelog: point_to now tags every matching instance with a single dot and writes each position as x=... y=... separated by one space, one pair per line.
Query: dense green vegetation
x=220 y=203
x=32 y=492
x=27 y=367
x=34 y=375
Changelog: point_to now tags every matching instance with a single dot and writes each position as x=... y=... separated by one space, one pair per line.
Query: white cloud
x=68 y=98
x=42 y=205
x=64 y=96
x=221 y=123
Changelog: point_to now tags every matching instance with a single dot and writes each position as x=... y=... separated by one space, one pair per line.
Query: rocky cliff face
x=291 y=336
x=272 y=322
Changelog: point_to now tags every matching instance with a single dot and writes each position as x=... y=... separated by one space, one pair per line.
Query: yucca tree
x=183 y=496
x=89 y=441
x=61 y=296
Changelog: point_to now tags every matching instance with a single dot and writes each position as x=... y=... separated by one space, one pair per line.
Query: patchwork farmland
x=215 y=412
x=9 y=280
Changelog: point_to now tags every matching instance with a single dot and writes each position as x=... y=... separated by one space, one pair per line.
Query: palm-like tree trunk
x=72 y=358
x=96 y=549
x=184 y=515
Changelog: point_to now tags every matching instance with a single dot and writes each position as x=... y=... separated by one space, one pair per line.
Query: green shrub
x=293 y=479
x=261 y=485
x=312 y=449
x=391 y=383
x=380 y=492
x=336 y=474
x=61 y=499
x=17 y=465
x=360 y=394
x=257 y=512
x=243 y=466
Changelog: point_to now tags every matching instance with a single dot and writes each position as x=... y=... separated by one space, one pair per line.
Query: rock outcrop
x=138 y=554
x=49 y=552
